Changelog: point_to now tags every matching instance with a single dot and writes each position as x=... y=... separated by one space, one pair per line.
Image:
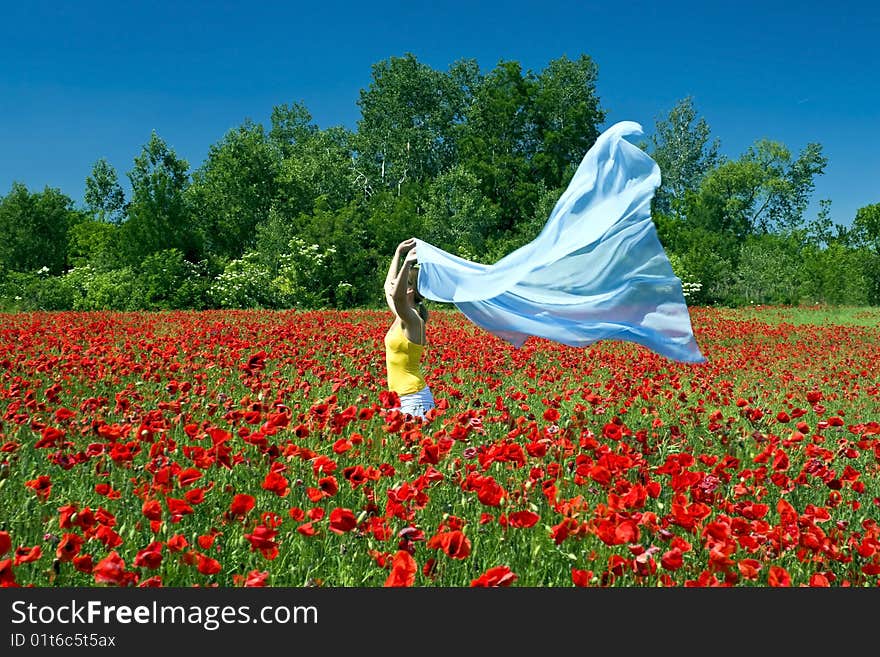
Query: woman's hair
x=422 y=309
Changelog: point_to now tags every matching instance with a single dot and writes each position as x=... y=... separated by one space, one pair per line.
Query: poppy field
x=258 y=448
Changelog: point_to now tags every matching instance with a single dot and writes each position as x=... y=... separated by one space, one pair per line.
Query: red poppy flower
x=257 y=578
x=195 y=495
x=152 y=510
x=342 y=520
x=263 y=539
x=50 y=437
x=7 y=576
x=819 y=580
x=108 y=536
x=188 y=477
x=672 y=559
x=207 y=565
x=27 y=554
x=494 y=577
x=389 y=399
x=111 y=570
x=241 y=504
x=64 y=414
x=490 y=492
x=66 y=514
x=68 y=547
x=341 y=446
x=454 y=543
x=523 y=519
x=581 y=577
x=307 y=529
x=205 y=541
x=177 y=543
x=151 y=582
x=329 y=486
x=83 y=563
x=612 y=431
x=150 y=557
x=177 y=508
x=42 y=486
x=5 y=543
x=403 y=570
x=276 y=483
x=323 y=465
x=778 y=577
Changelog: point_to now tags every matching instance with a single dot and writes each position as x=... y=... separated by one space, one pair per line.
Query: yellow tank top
x=402 y=361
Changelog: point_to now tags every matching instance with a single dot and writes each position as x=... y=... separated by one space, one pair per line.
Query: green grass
x=807 y=315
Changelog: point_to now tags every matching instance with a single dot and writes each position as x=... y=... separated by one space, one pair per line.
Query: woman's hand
x=406 y=245
x=411 y=256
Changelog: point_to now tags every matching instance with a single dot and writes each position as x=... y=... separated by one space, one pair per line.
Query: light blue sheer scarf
x=597 y=271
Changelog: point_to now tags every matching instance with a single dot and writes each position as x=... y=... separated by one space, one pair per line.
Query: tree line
x=291 y=215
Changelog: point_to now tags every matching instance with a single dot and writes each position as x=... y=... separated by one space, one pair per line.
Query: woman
x=405 y=340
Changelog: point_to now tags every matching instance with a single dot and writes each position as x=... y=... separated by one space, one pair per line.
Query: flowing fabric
x=597 y=270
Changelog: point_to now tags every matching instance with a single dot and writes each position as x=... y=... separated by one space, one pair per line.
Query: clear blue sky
x=84 y=80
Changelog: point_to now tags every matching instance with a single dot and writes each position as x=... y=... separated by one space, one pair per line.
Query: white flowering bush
x=244 y=283
x=37 y=290
x=345 y=295
x=95 y=289
x=690 y=286
x=168 y=280
x=305 y=276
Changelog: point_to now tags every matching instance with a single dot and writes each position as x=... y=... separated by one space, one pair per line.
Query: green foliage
x=763 y=190
x=34 y=228
x=317 y=166
x=31 y=291
x=302 y=277
x=690 y=285
x=866 y=227
x=497 y=140
x=233 y=191
x=291 y=127
x=769 y=272
x=406 y=125
x=471 y=161
x=166 y=280
x=93 y=242
x=305 y=276
x=273 y=237
x=865 y=236
x=566 y=114
x=870 y=262
x=702 y=254
x=94 y=289
x=390 y=220
x=836 y=275
x=338 y=243
x=682 y=149
x=103 y=195
x=245 y=282
x=158 y=216
x=457 y=214
x=524 y=133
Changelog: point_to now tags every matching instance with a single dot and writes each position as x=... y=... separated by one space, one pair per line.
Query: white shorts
x=418 y=403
